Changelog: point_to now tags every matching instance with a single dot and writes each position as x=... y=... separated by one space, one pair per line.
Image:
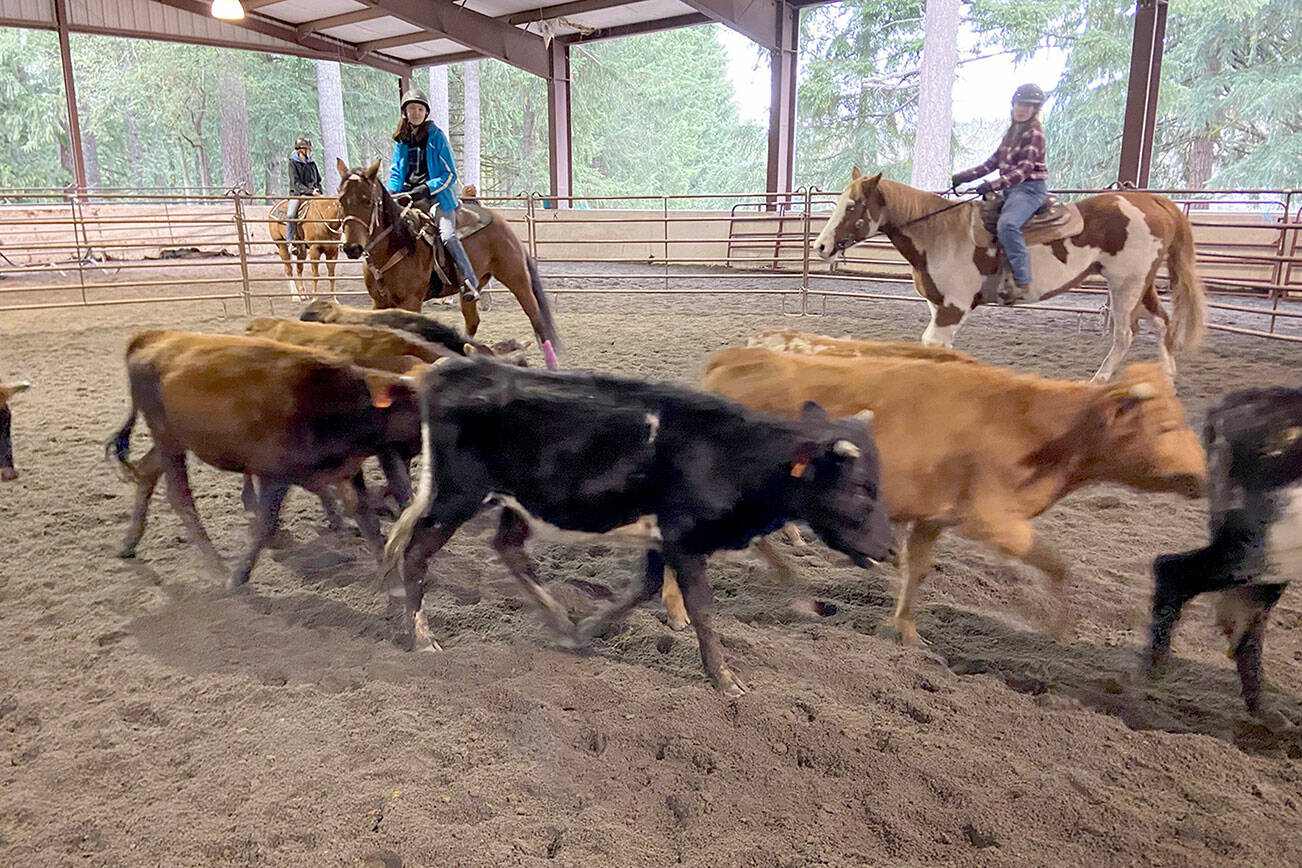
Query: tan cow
x=792 y=341
x=7 y=471
x=978 y=448
x=378 y=348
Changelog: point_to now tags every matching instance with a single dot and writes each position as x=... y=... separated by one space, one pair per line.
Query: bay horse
x=319 y=226
x=1127 y=236
x=399 y=263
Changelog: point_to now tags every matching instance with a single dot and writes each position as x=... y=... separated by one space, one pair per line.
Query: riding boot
x=469 y=282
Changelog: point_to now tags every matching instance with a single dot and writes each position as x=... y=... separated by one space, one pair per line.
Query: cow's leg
x=794 y=535
x=178 y=492
x=512 y=531
x=697 y=594
x=148 y=469
x=271 y=497
x=364 y=515
x=653 y=582
x=672 y=597
x=917 y=562
x=398 y=475
x=1016 y=538
x=249 y=496
x=330 y=506
x=1124 y=297
x=429 y=535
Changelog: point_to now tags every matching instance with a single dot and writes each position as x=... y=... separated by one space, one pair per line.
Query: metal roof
x=399 y=35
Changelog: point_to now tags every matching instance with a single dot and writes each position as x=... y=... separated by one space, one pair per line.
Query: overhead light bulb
x=228 y=10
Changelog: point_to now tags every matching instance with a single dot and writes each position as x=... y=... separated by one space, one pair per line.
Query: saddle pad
x=472 y=217
x=1060 y=221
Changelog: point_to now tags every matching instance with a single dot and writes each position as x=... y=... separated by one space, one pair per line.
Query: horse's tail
x=1188 y=297
x=544 y=305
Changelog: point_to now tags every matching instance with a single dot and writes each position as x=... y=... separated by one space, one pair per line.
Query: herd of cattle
x=845 y=437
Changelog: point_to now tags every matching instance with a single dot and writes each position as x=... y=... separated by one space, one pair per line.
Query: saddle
x=1054 y=220
x=472 y=217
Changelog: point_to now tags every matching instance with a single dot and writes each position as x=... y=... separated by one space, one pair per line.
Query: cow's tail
x=395 y=547
x=1188 y=297
x=549 y=332
x=117 y=446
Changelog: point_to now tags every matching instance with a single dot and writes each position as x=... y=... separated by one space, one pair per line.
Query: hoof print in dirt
x=978 y=838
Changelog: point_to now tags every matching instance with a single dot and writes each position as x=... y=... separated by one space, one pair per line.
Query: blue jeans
x=447 y=223
x=1020 y=203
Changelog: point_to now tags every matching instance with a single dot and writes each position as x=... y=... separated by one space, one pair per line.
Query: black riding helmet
x=1029 y=94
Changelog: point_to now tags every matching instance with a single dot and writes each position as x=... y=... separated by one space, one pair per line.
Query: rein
x=881 y=226
x=396 y=256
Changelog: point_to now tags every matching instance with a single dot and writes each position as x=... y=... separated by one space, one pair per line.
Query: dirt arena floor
x=148 y=718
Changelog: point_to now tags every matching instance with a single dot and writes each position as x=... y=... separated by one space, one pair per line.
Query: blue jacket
x=438 y=165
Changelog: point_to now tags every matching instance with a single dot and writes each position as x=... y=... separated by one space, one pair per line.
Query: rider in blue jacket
x=422 y=168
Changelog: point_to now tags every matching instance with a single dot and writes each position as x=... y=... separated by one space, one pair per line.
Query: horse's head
x=360 y=198
x=858 y=215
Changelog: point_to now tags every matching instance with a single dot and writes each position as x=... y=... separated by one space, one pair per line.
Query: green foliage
x=32 y=123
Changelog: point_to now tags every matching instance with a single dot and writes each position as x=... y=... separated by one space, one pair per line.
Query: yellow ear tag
x=798 y=469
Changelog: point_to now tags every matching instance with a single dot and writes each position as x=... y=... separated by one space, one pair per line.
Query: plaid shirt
x=1021 y=161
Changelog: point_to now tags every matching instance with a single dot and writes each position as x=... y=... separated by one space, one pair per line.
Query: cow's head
x=839 y=478
x=507 y=352
x=7 y=472
x=321 y=310
x=857 y=215
x=360 y=197
x=1144 y=440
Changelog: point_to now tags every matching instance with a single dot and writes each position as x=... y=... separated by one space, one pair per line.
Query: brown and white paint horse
x=1127 y=237
x=399 y=264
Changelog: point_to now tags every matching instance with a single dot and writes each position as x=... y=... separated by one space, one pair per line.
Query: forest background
x=660 y=113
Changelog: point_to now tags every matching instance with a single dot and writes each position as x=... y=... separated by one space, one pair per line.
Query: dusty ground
x=146 y=718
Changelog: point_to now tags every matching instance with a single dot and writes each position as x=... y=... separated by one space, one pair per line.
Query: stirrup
x=469 y=292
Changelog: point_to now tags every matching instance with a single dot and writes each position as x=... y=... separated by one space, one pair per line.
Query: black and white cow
x=588 y=453
x=1254 y=452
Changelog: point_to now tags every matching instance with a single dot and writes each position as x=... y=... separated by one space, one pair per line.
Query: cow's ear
x=811 y=412
x=342 y=167
x=855 y=174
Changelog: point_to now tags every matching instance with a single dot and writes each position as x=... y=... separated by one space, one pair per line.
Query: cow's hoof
x=423 y=638
x=237 y=582
x=128 y=553
x=8 y=474
x=728 y=684
x=588 y=629
x=678 y=623
x=1275 y=721
x=909 y=637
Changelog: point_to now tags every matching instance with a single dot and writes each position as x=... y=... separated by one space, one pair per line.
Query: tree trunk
x=133 y=149
x=330 y=109
x=1202 y=151
x=90 y=153
x=470 y=142
x=237 y=168
x=185 y=167
x=438 y=96
x=931 y=156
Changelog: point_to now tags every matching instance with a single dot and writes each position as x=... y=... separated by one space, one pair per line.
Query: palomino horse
x=399 y=264
x=1127 y=236
x=318 y=236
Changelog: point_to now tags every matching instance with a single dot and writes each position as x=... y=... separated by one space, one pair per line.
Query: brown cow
x=978 y=448
x=7 y=472
x=792 y=341
x=287 y=415
x=424 y=327
x=379 y=348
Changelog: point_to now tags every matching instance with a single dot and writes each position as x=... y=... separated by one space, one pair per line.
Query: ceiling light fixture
x=228 y=10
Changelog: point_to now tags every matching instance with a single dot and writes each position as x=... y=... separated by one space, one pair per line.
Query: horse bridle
x=845 y=243
x=373 y=239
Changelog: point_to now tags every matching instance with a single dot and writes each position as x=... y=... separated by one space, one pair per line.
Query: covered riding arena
x=147 y=717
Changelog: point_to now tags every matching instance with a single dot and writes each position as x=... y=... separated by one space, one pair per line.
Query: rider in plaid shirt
x=1022 y=173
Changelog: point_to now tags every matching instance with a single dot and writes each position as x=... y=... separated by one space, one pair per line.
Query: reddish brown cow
x=7 y=471
x=287 y=415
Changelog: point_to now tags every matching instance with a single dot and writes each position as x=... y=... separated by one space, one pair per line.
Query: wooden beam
x=560 y=141
x=754 y=19
x=445 y=59
x=488 y=36
x=355 y=17
x=395 y=41
x=70 y=96
x=321 y=46
x=577 y=7
x=691 y=19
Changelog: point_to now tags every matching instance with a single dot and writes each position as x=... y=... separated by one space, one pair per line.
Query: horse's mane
x=910 y=205
x=391 y=217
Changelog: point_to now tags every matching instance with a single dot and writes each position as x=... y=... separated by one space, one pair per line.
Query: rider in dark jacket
x=422 y=168
x=304 y=180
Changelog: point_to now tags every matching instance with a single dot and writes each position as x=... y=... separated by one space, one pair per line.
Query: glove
x=955 y=180
x=984 y=189
x=403 y=199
